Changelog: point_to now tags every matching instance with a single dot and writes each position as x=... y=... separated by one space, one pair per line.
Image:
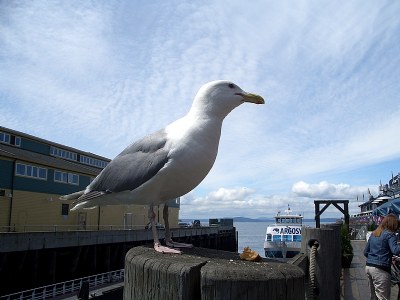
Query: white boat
x=283 y=238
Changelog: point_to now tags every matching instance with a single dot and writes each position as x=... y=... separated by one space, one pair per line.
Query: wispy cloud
x=97 y=76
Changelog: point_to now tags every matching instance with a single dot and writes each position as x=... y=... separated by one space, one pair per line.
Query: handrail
x=60 y=228
x=64 y=228
x=66 y=287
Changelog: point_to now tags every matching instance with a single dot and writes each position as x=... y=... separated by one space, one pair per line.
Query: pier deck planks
x=354 y=280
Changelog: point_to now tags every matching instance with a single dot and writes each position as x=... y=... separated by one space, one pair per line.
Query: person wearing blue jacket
x=380 y=248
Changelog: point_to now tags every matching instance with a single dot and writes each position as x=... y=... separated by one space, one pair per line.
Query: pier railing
x=61 y=228
x=67 y=287
x=58 y=228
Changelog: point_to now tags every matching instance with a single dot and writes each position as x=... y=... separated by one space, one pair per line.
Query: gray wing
x=138 y=163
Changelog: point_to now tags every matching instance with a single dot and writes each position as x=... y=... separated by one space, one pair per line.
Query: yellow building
x=35 y=172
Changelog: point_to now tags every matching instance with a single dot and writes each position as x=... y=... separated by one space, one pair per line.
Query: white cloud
x=247 y=202
x=97 y=76
x=326 y=190
x=234 y=202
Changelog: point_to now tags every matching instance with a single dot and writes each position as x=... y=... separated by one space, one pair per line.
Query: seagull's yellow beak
x=252 y=98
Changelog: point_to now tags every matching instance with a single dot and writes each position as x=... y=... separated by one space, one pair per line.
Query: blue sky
x=97 y=75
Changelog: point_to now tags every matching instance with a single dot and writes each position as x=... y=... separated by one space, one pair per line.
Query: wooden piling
x=150 y=275
x=244 y=280
x=327 y=260
x=205 y=274
x=337 y=250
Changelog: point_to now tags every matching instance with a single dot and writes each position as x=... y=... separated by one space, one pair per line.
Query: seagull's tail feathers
x=96 y=198
x=80 y=198
x=72 y=196
x=83 y=205
x=87 y=201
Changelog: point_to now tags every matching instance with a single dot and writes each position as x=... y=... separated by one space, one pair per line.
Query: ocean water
x=252 y=234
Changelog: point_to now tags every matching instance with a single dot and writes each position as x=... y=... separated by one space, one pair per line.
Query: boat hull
x=281 y=250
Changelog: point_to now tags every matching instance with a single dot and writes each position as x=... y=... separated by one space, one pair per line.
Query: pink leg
x=168 y=239
x=157 y=245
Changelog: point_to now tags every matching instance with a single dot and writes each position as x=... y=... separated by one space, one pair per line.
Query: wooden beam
x=344 y=211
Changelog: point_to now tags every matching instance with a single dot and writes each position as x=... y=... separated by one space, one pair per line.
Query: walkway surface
x=354 y=282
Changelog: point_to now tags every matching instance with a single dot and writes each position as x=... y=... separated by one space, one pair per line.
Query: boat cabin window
x=269 y=237
x=277 y=238
x=297 y=237
x=289 y=220
x=287 y=238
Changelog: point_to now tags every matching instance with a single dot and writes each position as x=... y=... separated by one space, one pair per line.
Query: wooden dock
x=354 y=282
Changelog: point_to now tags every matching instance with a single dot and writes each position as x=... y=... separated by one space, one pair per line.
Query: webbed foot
x=162 y=249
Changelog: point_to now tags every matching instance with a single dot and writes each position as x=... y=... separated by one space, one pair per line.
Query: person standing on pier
x=380 y=248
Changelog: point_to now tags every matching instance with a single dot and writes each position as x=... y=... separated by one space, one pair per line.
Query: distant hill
x=245 y=219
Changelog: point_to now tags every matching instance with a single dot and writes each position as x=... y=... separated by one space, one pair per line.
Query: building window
x=65 y=177
x=4 y=137
x=64 y=209
x=92 y=161
x=73 y=178
x=30 y=171
x=10 y=139
x=54 y=151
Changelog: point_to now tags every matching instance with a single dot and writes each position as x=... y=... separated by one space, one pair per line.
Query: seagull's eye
x=231 y=85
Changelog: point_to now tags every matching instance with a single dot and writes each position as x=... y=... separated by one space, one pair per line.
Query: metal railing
x=60 y=228
x=67 y=287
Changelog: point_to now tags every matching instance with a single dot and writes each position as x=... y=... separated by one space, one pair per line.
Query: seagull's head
x=220 y=97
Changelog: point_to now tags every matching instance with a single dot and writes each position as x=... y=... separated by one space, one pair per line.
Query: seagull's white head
x=218 y=98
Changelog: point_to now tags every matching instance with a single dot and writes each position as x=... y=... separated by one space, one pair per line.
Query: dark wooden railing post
x=327 y=260
x=207 y=274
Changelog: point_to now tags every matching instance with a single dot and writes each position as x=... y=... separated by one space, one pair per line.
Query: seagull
x=169 y=163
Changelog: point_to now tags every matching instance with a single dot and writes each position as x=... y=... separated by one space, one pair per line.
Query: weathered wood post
x=337 y=254
x=150 y=275
x=327 y=260
x=205 y=274
x=222 y=280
